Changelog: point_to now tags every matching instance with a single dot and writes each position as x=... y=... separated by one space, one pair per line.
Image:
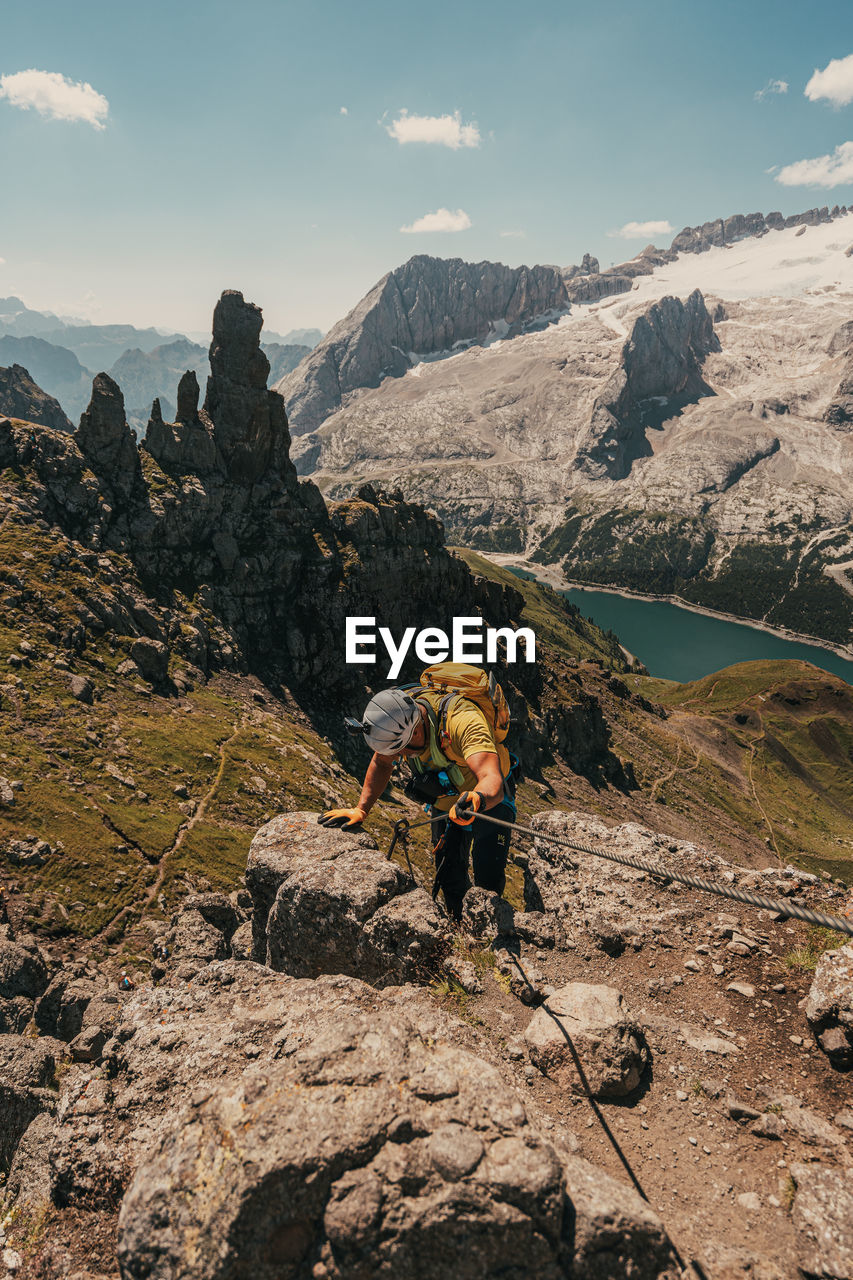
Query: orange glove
x=466 y=807
x=346 y=818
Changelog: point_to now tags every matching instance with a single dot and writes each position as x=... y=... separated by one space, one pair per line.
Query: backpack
x=457 y=679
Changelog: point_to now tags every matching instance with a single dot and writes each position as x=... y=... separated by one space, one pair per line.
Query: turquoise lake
x=681 y=645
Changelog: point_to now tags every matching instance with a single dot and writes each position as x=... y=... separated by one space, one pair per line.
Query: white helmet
x=389 y=721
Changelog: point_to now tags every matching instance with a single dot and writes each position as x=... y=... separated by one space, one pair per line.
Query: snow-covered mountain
x=691 y=433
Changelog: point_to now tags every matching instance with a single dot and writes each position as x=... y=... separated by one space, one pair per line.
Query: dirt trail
x=183 y=831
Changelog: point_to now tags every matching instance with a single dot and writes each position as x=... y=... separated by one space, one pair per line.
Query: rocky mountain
x=55 y=369
x=295 y=338
x=687 y=436
x=426 y=307
x=145 y=376
x=233 y=1041
x=20 y=397
x=284 y=357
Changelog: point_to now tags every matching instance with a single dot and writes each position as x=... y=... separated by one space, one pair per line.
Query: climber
x=450 y=730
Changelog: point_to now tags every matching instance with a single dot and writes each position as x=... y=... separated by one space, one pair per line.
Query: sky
x=155 y=154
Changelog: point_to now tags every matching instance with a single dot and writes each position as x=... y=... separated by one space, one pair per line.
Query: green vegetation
x=556 y=623
x=786 y=729
x=818 y=940
x=657 y=553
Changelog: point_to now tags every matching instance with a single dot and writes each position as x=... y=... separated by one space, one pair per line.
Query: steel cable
x=792 y=910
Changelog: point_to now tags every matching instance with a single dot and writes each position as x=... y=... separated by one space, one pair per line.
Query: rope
x=792 y=910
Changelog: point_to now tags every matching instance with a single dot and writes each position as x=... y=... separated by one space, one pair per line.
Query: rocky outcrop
x=327 y=901
x=739 y=226
x=107 y=442
x=209 y=509
x=839 y=412
x=585 y=1039
x=592 y=288
x=822 y=1214
x=390 y=1152
x=20 y=397
x=24 y=976
x=829 y=1007
x=662 y=359
x=427 y=306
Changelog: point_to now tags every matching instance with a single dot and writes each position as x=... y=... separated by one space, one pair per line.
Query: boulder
x=26 y=1070
x=151 y=658
x=192 y=940
x=393 y=1157
x=60 y=1010
x=829 y=1006
x=327 y=901
x=486 y=914
x=616 y=1232
x=81 y=688
x=585 y=1039
x=217 y=909
x=23 y=978
x=823 y=1220
x=241 y=941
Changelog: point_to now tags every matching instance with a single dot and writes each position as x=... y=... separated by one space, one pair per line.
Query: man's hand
x=349 y=819
x=466 y=808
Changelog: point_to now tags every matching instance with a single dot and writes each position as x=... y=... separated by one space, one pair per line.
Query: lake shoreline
x=554 y=577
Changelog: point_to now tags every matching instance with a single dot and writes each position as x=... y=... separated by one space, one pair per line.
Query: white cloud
x=640 y=230
x=446 y=131
x=2 y=262
x=772 y=87
x=344 y=111
x=835 y=82
x=55 y=97
x=514 y=235
x=441 y=220
x=835 y=170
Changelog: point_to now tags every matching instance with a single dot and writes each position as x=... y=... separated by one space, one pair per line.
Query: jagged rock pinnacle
x=249 y=421
x=105 y=438
x=188 y=394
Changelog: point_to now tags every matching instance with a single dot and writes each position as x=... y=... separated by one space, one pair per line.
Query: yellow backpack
x=457 y=679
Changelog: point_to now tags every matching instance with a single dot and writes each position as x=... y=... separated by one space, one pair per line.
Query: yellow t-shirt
x=469 y=733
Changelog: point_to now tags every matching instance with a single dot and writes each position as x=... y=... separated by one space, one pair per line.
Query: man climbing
x=450 y=730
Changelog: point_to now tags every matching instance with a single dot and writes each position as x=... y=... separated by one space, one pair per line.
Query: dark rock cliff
x=20 y=397
x=426 y=306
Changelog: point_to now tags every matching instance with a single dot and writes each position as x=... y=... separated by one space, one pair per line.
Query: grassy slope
x=102 y=778
x=555 y=622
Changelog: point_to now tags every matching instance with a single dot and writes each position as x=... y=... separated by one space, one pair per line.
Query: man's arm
x=375 y=781
x=485 y=765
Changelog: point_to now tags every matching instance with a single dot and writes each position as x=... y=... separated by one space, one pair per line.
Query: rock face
x=326 y=901
x=392 y=1157
x=427 y=306
x=301 y=1127
x=209 y=509
x=829 y=1007
x=105 y=437
x=723 y=231
x=584 y=1038
x=823 y=1218
x=21 y=398
x=663 y=358
x=23 y=978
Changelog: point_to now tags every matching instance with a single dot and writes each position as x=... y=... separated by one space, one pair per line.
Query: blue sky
x=211 y=151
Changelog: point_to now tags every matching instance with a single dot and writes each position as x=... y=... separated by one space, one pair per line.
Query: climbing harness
x=793 y=910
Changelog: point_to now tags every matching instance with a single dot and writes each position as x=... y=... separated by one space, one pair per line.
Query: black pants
x=489 y=847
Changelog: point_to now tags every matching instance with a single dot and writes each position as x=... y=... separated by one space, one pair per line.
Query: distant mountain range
x=680 y=424
x=63 y=355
